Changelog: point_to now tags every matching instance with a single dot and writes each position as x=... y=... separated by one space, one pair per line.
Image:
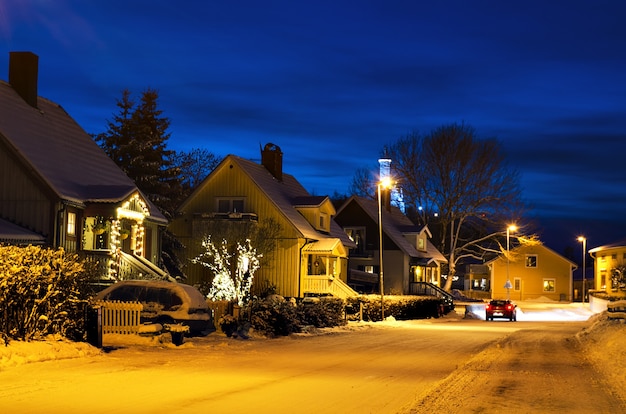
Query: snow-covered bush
x=322 y=313
x=40 y=293
x=400 y=307
x=272 y=317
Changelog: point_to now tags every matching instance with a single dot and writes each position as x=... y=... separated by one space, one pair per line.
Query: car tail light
x=509 y=307
x=487 y=306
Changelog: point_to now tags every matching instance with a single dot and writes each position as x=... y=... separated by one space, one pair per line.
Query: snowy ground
x=601 y=340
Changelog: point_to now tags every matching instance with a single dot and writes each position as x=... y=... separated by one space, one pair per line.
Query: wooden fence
x=120 y=317
x=616 y=310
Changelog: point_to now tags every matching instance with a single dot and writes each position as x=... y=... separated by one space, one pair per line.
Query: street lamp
x=509 y=229
x=386 y=184
x=583 y=240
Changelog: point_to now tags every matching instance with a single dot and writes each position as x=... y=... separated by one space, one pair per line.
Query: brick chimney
x=23 y=68
x=272 y=160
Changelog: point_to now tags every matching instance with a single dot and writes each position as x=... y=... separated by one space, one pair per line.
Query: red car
x=499 y=308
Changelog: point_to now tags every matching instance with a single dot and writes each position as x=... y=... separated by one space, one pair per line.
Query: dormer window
x=421 y=243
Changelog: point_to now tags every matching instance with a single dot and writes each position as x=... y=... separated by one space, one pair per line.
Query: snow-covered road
x=449 y=364
x=369 y=369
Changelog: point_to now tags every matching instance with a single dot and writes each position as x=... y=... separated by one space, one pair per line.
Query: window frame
x=531 y=265
x=546 y=282
x=71 y=224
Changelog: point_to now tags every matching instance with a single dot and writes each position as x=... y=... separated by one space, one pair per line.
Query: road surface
x=414 y=367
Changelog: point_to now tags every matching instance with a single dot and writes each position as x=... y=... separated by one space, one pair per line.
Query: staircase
x=136 y=267
x=428 y=289
x=324 y=285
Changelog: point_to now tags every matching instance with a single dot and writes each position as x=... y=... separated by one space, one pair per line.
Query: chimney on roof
x=23 y=68
x=272 y=160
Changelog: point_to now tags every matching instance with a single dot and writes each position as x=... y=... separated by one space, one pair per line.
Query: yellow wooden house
x=531 y=272
x=310 y=253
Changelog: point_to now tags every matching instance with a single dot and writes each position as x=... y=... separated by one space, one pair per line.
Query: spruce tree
x=136 y=140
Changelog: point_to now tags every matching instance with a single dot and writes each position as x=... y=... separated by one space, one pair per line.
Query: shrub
x=40 y=293
x=273 y=317
x=322 y=312
x=400 y=307
x=276 y=317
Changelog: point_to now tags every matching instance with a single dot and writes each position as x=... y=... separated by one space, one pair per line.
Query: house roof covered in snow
x=47 y=140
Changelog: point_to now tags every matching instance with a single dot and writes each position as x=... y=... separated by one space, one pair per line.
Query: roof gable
x=533 y=249
x=285 y=195
x=395 y=226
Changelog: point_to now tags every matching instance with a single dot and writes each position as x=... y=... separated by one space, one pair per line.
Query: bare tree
x=461 y=187
x=195 y=165
x=363 y=183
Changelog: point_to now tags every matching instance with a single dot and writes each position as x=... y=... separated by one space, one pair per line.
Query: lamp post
x=509 y=229
x=385 y=183
x=583 y=240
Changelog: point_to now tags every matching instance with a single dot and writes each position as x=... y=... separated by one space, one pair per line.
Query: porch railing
x=327 y=285
x=128 y=266
x=428 y=289
x=137 y=267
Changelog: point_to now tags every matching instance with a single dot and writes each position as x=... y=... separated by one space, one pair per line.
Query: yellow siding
x=531 y=279
x=21 y=199
x=230 y=181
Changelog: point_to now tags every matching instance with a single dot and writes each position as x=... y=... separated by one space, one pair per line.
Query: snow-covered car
x=499 y=308
x=165 y=303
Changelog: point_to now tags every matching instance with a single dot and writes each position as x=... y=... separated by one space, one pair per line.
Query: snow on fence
x=120 y=317
x=617 y=309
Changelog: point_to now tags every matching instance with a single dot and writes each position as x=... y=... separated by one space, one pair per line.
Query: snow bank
x=18 y=352
x=603 y=343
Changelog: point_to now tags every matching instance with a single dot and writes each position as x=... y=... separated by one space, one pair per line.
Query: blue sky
x=332 y=82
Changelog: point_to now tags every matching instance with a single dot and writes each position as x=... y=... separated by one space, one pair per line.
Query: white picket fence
x=120 y=317
x=616 y=309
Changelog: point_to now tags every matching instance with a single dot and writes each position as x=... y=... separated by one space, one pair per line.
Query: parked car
x=165 y=303
x=499 y=308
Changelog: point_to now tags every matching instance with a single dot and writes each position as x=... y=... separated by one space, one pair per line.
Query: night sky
x=332 y=82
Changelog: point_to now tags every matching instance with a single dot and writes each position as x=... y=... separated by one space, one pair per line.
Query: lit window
x=531 y=260
x=549 y=285
x=420 y=243
x=71 y=224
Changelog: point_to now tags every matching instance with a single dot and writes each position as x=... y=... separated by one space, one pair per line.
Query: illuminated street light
x=509 y=229
x=386 y=184
x=583 y=240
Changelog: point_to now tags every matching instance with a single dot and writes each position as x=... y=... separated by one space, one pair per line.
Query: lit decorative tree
x=227 y=286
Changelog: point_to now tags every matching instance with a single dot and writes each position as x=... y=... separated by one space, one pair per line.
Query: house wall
x=395 y=272
x=550 y=267
x=22 y=201
x=281 y=269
